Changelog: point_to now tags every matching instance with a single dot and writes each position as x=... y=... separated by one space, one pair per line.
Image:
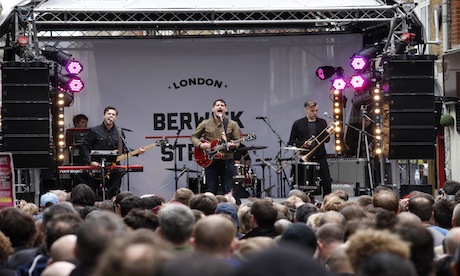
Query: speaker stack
x=26 y=113
x=412 y=116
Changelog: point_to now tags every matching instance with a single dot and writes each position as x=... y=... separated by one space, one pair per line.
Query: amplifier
x=349 y=171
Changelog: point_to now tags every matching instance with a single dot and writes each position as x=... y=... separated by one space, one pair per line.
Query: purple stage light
x=339 y=83
x=74 y=67
x=357 y=81
x=320 y=73
x=358 y=63
x=75 y=85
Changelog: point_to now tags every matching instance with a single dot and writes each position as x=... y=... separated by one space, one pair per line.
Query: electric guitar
x=204 y=158
x=162 y=142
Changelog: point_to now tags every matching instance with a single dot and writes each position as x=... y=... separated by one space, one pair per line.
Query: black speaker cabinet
x=26 y=113
x=407 y=189
x=411 y=150
x=412 y=107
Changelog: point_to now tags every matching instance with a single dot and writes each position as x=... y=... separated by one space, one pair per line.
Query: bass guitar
x=204 y=158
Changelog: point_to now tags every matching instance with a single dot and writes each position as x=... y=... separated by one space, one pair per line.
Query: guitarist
x=106 y=136
x=213 y=128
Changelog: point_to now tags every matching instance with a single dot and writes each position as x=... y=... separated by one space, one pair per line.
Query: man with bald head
x=214 y=235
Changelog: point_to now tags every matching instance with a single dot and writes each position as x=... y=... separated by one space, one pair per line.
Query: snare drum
x=306 y=174
x=250 y=180
x=239 y=173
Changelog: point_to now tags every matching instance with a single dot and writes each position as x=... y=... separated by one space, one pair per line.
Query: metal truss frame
x=185 y=23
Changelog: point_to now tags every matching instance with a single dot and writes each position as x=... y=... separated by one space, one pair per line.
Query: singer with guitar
x=307 y=133
x=106 y=136
x=225 y=131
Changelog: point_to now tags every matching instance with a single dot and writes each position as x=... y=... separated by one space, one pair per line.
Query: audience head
x=304 y=211
x=183 y=195
x=48 y=199
x=130 y=203
x=206 y=202
x=299 y=235
x=263 y=213
x=386 y=264
x=214 y=235
x=18 y=226
x=176 y=223
x=366 y=243
x=387 y=200
x=138 y=218
x=140 y=252
x=82 y=195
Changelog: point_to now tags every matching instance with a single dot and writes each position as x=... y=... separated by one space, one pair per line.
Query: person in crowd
x=138 y=218
x=225 y=130
x=262 y=219
x=329 y=236
x=214 y=236
x=6 y=249
x=94 y=235
x=386 y=264
x=387 y=200
x=176 y=226
x=366 y=243
x=420 y=240
x=20 y=228
x=183 y=195
x=305 y=133
x=422 y=206
x=130 y=203
x=207 y=203
x=106 y=136
x=138 y=253
x=301 y=236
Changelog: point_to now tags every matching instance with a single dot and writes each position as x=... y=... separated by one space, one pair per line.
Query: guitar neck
x=221 y=146
x=134 y=152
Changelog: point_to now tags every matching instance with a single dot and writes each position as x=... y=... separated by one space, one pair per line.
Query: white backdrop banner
x=161 y=87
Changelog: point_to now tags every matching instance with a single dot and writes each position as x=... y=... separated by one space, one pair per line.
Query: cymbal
x=252 y=148
x=182 y=169
x=294 y=148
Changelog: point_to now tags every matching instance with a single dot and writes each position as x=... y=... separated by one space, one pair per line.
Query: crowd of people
x=207 y=234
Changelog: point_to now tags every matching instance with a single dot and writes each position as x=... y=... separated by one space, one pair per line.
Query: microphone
x=110 y=119
x=261 y=118
x=220 y=116
x=126 y=129
x=327 y=115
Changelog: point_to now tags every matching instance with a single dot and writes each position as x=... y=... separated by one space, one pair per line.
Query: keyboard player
x=106 y=136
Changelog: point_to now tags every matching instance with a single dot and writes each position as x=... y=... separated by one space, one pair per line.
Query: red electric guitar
x=204 y=158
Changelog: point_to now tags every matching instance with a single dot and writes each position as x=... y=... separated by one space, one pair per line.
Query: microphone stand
x=176 y=177
x=280 y=185
x=127 y=158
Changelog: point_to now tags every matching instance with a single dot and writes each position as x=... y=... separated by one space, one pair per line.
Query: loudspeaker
x=26 y=113
x=412 y=107
x=406 y=189
x=193 y=185
x=411 y=150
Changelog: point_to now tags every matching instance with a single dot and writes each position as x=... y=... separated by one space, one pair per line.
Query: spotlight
x=54 y=54
x=360 y=60
x=358 y=63
x=325 y=72
x=339 y=83
x=68 y=82
x=357 y=81
x=74 y=67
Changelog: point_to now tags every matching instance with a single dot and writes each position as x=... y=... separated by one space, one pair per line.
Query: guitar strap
x=225 y=125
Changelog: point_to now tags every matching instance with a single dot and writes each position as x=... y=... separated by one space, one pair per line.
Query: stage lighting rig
x=360 y=60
